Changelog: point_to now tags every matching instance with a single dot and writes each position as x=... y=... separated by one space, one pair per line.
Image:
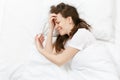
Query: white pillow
x=97 y=13
x=117 y=23
x=115 y=54
x=1 y=13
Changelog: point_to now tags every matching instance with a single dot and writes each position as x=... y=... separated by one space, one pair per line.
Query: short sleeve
x=81 y=39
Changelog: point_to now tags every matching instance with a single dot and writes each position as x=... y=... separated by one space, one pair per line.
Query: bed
x=21 y=20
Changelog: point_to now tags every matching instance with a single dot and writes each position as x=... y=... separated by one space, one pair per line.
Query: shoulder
x=81 y=39
x=83 y=31
x=83 y=34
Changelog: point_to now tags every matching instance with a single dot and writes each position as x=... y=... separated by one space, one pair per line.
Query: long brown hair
x=68 y=11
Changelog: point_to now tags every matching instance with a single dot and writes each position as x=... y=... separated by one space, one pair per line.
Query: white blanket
x=21 y=20
x=40 y=68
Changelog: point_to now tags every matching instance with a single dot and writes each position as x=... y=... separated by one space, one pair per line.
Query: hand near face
x=52 y=21
x=39 y=39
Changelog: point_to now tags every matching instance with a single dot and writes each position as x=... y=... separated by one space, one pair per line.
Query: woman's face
x=62 y=25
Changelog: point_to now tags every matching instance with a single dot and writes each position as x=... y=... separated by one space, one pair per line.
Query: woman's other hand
x=39 y=39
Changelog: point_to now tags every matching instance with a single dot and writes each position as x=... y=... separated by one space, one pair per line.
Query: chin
x=61 y=34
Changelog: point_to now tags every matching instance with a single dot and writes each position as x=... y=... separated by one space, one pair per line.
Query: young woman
x=66 y=21
x=75 y=46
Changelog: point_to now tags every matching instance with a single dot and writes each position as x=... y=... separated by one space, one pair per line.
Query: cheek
x=66 y=26
x=63 y=24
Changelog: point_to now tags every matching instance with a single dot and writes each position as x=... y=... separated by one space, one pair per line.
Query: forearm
x=59 y=59
x=52 y=57
x=49 y=45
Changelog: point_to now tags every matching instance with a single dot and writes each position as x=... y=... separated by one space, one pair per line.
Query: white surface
x=13 y=71
x=117 y=23
x=21 y=20
x=2 y=6
x=115 y=54
x=40 y=68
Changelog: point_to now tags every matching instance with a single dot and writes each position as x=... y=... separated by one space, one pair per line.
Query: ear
x=69 y=19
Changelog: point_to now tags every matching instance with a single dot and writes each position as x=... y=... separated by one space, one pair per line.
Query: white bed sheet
x=13 y=71
x=20 y=19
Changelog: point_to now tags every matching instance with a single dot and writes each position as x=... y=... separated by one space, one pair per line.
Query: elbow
x=59 y=62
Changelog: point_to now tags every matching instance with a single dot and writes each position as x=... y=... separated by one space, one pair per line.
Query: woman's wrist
x=43 y=51
x=50 y=31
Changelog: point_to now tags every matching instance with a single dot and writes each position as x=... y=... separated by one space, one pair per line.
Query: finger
x=53 y=18
x=41 y=40
x=36 y=37
x=41 y=36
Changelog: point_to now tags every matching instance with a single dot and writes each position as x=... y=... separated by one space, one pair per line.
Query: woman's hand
x=39 y=39
x=52 y=20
